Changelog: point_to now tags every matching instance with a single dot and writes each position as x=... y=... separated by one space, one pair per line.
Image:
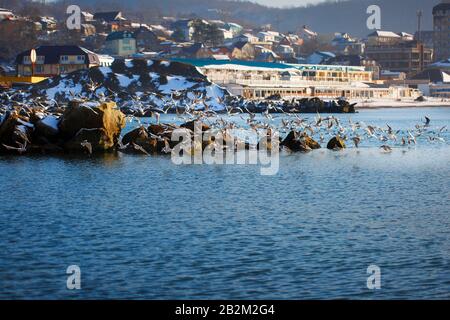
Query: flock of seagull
x=319 y=127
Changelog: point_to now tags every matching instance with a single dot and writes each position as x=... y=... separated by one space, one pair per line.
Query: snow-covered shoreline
x=406 y=103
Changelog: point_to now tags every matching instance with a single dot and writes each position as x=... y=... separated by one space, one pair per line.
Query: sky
x=283 y=3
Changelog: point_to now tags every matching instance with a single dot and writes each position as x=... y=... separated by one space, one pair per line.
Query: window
x=80 y=58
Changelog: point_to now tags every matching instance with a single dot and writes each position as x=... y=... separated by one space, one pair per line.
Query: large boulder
x=140 y=137
x=267 y=143
x=299 y=142
x=7 y=126
x=336 y=143
x=135 y=135
x=102 y=123
x=191 y=125
x=15 y=133
x=97 y=138
x=47 y=127
x=162 y=130
x=133 y=148
x=310 y=142
x=227 y=139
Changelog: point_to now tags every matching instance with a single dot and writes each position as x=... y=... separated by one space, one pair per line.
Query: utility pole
x=419 y=43
x=419 y=24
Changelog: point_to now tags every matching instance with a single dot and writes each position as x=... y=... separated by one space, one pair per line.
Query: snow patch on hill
x=138 y=84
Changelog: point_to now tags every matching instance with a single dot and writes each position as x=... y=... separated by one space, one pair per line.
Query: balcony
x=287 y=83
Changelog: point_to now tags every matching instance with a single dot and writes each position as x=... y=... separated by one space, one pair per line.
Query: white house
x=87 y=16
x=266 y=36
x=246 y=37
x=234 y=28
x=227 y=34
x=5 y=14
x=380 y=37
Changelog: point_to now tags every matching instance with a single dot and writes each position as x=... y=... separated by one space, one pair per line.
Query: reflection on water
x=141 y=227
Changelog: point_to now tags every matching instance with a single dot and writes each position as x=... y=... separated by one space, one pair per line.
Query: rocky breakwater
x=157 y=139
x=78 y=128
x=194 y=136
x=96 y=128
x=304 y=105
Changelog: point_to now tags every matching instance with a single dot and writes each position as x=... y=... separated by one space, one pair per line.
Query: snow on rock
x=125 y=81
x=25 y=124
x=51 y=121
x=129 y=63
x=153 y=83
x=22 y=128
x=176 y=84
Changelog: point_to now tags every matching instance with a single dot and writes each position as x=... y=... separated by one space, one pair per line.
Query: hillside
x=345 y=16
x=136 y=84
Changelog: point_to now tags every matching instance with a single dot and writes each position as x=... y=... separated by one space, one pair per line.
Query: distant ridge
x=345 y=16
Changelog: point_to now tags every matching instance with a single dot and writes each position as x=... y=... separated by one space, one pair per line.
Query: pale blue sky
x=282 y=3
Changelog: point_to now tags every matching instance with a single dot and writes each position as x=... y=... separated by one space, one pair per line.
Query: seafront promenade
x=404 y=103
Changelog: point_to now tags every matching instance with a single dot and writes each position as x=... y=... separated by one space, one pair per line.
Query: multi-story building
x=398 y=52
x=383 y=38
x=345 y=44
x=109 y=21
x=356 y=60
x=121 y=43
x=146 y=39
x=56 y=60
x=441 y=21
x=184 y=29
x=259 y=80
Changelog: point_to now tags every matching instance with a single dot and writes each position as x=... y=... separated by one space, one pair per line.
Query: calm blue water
x=144 y=228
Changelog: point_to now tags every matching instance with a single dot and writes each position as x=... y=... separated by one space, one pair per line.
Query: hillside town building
x=55 y=60
x=441 y=22
x=259 y=80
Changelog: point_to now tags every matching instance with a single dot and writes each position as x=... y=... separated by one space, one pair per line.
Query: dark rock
x=47 y=127
x=133 y=148
x=107 y=121
x=421 y=99
x=336 y=143
x=140 y=137
x=8 y=126
x=299 y=142
x=191 y=125
x=15 y=134
x=98 y=139
x=134 y=135
x=310 y=142
x=161 y=129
